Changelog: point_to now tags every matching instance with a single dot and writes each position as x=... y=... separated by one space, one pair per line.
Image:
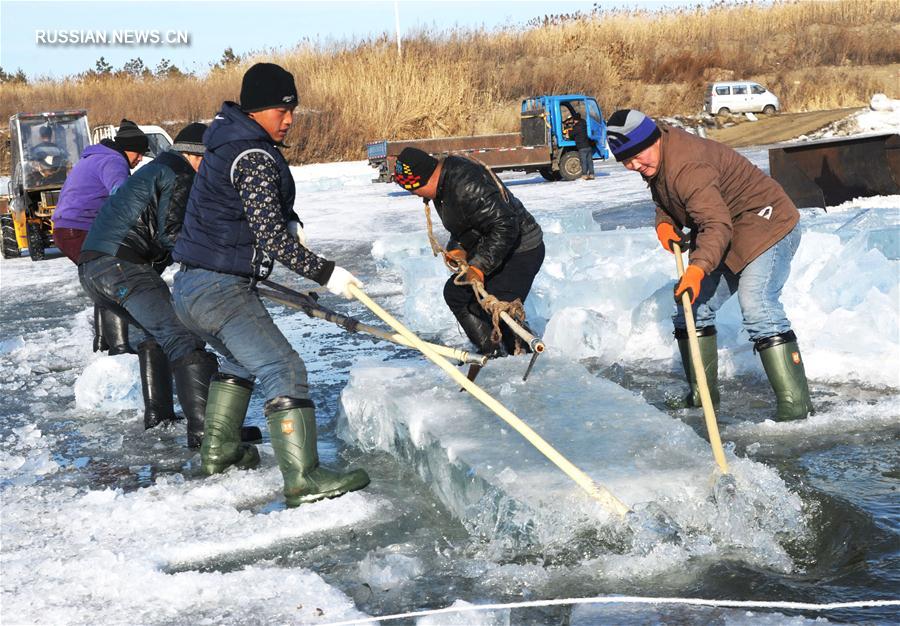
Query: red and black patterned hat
x=413 y=169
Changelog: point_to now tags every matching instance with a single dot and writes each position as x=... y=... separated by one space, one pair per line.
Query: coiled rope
x=736 y=604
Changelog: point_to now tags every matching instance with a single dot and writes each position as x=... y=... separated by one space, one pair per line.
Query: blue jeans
x=586 y=156
x=232 y=319
x=758 y=287
x=137 y=292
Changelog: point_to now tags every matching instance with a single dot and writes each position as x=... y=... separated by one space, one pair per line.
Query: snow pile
x=155 y=555
x=882 y=116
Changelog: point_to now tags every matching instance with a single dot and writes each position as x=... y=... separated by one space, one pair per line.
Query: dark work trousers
x=136 y=292
x=586 y=156
x=511 y=280
x=69 y=241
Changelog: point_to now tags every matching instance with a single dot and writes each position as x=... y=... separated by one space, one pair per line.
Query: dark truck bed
x=499 y=152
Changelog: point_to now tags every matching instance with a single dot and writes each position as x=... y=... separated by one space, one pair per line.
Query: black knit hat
x=267 y=86
x=190 y=139
x=130 y=138
x=413 y=168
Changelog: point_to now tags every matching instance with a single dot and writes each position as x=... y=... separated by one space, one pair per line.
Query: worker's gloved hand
x=473 y=274
x=689 y=283
x=340 y=282
x=455 y=257
x=295 y=228
x=668 y=235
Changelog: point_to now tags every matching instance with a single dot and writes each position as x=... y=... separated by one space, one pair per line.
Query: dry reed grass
x=814 y=55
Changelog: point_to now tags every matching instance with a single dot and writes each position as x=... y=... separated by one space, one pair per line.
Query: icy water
x=395 y=547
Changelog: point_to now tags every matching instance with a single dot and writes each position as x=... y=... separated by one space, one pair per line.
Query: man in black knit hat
x=490 y=230
x=129 y=245
x=102 y=169
x=240 y=219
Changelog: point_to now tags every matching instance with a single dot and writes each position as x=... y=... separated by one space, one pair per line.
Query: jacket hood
x=232 y=124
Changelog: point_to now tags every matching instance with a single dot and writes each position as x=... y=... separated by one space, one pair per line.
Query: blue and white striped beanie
x=628 y=132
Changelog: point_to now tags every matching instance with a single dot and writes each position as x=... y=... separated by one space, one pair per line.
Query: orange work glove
x=690 y=283
x=474 y=274
x=668 y=234
x=455 y=257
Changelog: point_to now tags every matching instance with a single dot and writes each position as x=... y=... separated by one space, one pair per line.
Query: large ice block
x=511 y=496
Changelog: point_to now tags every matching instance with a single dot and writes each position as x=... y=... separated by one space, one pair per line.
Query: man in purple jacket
x=102 y=168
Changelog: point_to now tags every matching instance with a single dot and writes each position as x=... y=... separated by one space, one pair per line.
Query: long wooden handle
x=451 y=353
x=709 y=413
x=598 y=492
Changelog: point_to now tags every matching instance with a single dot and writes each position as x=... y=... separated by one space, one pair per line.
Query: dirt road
x=777 y=128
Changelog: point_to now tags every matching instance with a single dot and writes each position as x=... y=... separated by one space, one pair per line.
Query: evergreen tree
x=102 y=68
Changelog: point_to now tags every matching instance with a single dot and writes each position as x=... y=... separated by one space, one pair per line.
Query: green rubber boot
x=226 y=406
x=709 y=355
x=780 y=357
x=292 y=427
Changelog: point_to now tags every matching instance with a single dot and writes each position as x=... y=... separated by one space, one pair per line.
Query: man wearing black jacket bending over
x=490 y=230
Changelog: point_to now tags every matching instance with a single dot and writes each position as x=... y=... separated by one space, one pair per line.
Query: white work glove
x=340 y=280
x=296 y=230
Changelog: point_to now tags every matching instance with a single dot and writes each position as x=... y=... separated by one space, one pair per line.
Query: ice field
x=105 y=523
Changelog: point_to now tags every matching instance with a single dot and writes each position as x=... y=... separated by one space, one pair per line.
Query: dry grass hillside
x=813 y=55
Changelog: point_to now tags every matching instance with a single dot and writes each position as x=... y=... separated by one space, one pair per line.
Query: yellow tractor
x=43 y=148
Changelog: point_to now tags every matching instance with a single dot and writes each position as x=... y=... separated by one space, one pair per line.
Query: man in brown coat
x=743 y=235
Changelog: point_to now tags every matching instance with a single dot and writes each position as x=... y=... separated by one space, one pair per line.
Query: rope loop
x=490 y=304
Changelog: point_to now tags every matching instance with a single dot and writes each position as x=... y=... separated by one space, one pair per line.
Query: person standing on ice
x=102 y=169
x=240 y=219
x=743 y=235
x=126 y=249
x=584 y=145
x=490 y=230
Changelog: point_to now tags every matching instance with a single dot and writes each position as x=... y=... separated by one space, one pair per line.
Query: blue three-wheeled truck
x=541 y=145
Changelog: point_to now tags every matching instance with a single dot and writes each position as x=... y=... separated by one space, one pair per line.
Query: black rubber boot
x=100 y=344
x=709 y=355
x=114 y=332
x=292 y=427
x=156 y=384
x=226 y=407
x=780 y=357
x=478 y=330
x=193 y=374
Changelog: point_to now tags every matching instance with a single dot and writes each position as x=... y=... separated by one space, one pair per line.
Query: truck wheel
x=724 y=111
x=769 y=109
x=549 y=174
x=35 y=241
x=570 y=166
x=10 y=247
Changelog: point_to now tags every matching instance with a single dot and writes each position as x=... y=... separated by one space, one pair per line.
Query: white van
x=739 y=97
